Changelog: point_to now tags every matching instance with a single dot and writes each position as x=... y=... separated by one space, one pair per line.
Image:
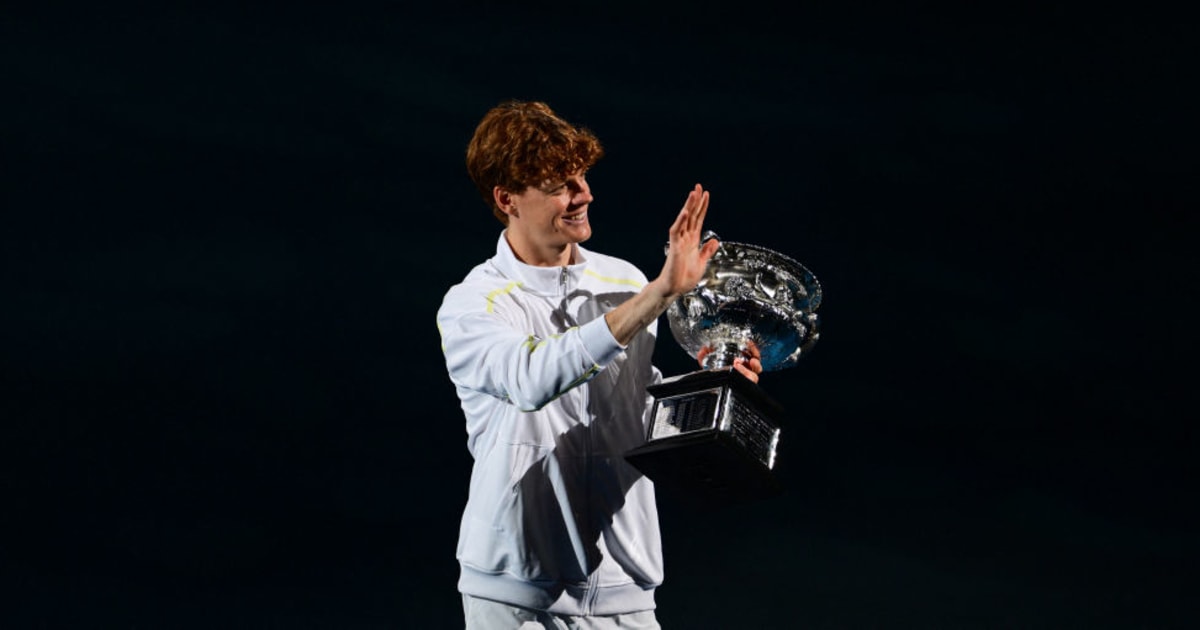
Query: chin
x=576 y=233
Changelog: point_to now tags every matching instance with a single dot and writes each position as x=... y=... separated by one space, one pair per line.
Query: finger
x=685 y=213
x=680 y=222
x=739 y=365
x=696 y=220
x=707 y=251
x=698 y=200
x=701 y=212
x=691 y=203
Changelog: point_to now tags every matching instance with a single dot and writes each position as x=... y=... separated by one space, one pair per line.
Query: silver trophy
x=713 y=433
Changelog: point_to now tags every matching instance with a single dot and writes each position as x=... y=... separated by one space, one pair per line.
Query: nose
x=583 y=192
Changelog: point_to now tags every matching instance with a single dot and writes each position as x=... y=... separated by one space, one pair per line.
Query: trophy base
x=712 y=440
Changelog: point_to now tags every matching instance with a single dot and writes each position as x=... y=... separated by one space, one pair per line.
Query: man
x=549 y=347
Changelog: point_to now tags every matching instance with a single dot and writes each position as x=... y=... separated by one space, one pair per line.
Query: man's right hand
x=682 y=271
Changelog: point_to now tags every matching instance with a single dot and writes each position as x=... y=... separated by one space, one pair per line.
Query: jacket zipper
x=592 y=591
x=594 y=577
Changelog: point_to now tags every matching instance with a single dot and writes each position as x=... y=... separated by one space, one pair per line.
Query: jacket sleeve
x=487 y=350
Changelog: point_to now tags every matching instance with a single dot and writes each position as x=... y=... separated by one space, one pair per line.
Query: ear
x=504 y=201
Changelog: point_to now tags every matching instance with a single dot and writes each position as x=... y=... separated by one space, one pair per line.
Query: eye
x=575 y=184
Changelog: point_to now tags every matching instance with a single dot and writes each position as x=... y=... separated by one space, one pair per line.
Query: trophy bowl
x=751 y=300
x=712 y=434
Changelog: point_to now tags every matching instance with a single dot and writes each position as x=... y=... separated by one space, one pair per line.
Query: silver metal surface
x=751 y=300
x=716 y=410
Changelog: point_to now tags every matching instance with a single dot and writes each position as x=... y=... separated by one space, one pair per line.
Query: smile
x=576 y=218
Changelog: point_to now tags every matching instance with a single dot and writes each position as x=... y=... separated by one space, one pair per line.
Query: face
x=546 y=220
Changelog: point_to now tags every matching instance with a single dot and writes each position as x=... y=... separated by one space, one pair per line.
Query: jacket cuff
x=599 y=343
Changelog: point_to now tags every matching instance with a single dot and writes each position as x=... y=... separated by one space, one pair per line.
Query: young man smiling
x=548 y=346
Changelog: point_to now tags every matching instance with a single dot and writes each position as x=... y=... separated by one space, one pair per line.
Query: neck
x=545 y=256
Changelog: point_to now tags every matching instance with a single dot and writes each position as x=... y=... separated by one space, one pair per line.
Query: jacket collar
x=541 y=280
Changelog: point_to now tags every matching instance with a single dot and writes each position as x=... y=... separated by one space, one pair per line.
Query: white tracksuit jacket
x=555 y=519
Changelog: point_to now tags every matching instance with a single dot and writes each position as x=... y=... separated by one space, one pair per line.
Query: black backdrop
x=227 y=233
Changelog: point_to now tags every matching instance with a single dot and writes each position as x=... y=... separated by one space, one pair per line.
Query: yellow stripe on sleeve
x=491 y=297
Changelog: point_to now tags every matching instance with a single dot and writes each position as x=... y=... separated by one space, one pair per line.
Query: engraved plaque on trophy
x=713 y=433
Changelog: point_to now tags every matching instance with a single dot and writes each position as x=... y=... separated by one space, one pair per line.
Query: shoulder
x=614 y=270
x=483 y=290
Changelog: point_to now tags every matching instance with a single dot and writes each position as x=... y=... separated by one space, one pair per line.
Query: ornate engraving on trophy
x=749 y=296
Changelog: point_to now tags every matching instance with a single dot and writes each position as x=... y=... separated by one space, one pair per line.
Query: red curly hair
x=519 y=144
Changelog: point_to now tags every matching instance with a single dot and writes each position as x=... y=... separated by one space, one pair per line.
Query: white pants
x=485 y=614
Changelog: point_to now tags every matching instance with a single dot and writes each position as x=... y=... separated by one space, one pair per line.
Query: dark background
x=226 y=233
